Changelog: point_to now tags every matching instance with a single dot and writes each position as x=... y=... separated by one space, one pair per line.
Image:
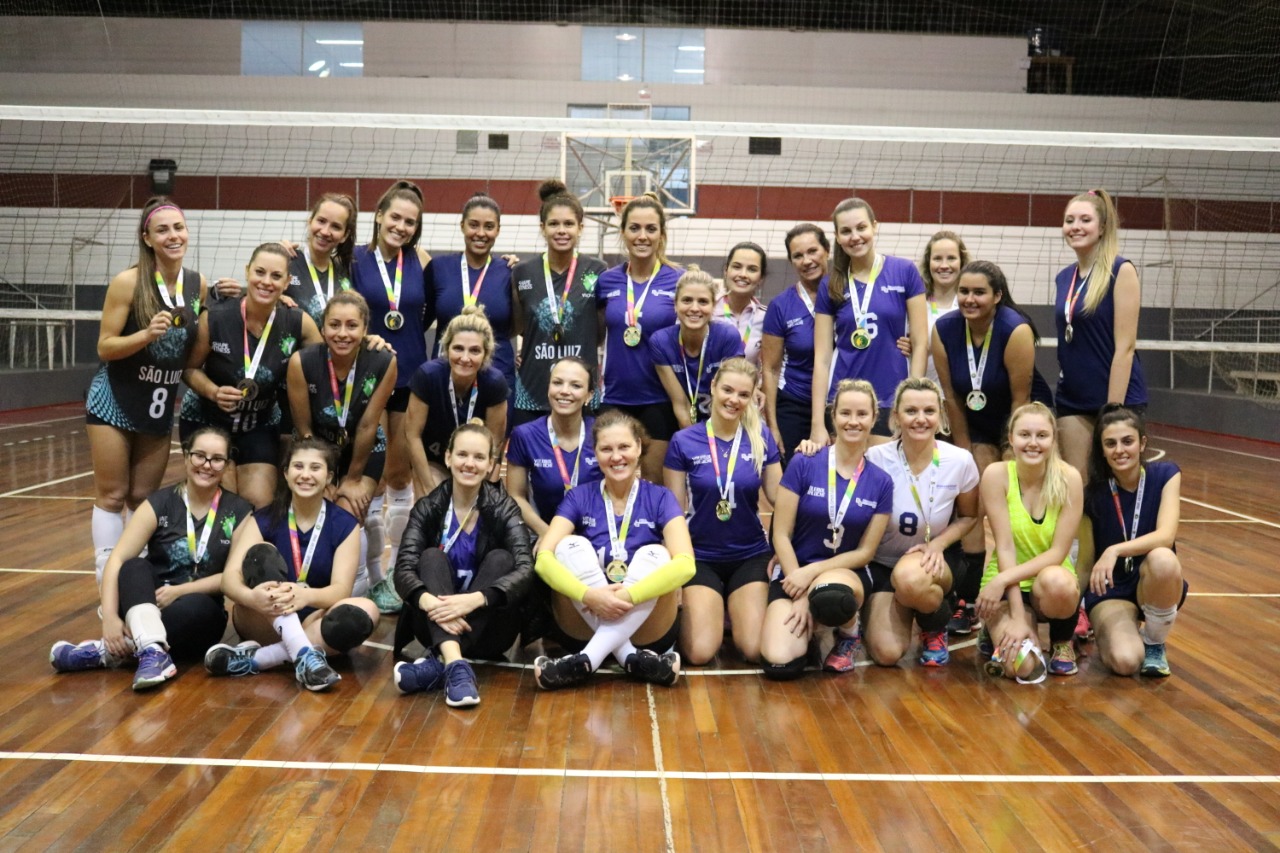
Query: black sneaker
x=654 y=668
x=552 y=674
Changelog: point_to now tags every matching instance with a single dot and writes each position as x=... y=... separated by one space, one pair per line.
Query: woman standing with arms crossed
x=868 y=298
x=555 y=302
x=825 y=539
x=1096 y=312
x=388 y=274
x=1131 y=522
x=636 y=299
x=615 y=555
x=147 y=335
x=1034 y=504
x=985 y=355
x=717 y=470
x=786 y=350
x=744 y=270
x=688 y=354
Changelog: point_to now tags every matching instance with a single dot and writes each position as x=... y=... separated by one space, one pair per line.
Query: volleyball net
x=1198 y=213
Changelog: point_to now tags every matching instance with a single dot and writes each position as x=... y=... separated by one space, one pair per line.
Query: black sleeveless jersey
x=226 y=362
x=369 y=369
x=168 y=549
x=303 y=291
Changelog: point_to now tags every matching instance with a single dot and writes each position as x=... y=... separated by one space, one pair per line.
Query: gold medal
x=248 y=389
x=861 y=338
x=723 y=511
x=976 y=401
x=340 y=438
x=183 y=317
x=693 y=413
x=393 y=320
x=631 y=336
x=616 y=571
x=1070 y=332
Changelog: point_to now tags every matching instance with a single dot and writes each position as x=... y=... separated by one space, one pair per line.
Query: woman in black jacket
x=463 y=570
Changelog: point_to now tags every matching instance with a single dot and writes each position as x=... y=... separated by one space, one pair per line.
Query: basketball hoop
x=620 y=201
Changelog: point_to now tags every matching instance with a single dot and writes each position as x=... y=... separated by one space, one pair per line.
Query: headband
x=156 y=210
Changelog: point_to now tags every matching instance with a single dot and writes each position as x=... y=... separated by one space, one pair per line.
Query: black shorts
x=727 y=577
x=1125 y=587
x=658 y=419
x=399 y=400
x=881 y=426
x=1068 y=411
x=873 y=578
x=794 y=420
x=373 y=466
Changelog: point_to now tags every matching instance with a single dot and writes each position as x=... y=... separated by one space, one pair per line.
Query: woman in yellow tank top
x=1034 y=503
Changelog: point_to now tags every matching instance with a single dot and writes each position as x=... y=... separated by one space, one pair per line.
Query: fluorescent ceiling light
x=625 y=37
x=691 y=48
x=624 y=77
x=339 y=41
x=316 y=66
x=689 y=71
x=324 y=73
x=352 y=64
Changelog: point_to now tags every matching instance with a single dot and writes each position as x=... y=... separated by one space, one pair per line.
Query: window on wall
x=298 y=49
x=643 y=54
x=603 y=111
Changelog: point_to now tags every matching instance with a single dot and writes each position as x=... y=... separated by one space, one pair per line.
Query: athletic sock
x=399 y=504
x=373 y=531
x=105 y=528
x=612 y=635
x=289 y=627
x=270 y=656
x=1157 y=622
x=146 y=626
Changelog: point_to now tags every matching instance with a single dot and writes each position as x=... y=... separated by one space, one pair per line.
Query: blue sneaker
x=91 y=654
x=422 y=675
x=313 y=671
x=1154 y=663
x=846 y=648
x=933 y=650
x=155 y=667
x=986 y=648
x=235 y=661
x=460 y=689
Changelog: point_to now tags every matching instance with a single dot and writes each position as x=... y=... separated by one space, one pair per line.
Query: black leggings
x=493 y=629
x=193 y=623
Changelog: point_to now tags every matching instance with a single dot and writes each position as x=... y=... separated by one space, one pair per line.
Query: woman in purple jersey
x=1096 y=311
x=553 y=454
x=145 y=341
x=717 y=470
x=1127 y=547
x=832 y=510
x=388 y=274
x=786 y=350
x=687 y=355
x=637 y=299
x=615 y=556
x=868 y=299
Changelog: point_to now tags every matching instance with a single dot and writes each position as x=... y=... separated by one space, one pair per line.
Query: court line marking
x=1235 y=594
x=1156 y=455
x=1217 y=449
x=51 y=571
x=689 y=775
x=1215 y=521
x=1252 y=518
x=43 y=423
x=55 y=498
x=88 y=473
x=660 y=770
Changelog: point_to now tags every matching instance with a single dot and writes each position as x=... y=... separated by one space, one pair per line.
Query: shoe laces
x=458 y=676
x=935 y=641
x=1064 y=651
x=313 y=660
x=150 y=655
x=241 y=662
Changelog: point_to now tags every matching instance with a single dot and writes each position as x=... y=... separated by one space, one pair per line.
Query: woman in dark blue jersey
x=1127 y=551
x=786 y=350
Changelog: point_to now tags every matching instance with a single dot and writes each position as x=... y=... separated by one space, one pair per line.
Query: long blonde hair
x=1108 y=248
x=1054 y=489
x=750 y=414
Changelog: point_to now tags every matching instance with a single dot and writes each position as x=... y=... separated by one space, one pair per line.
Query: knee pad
x=263 y=564
x=833 y=604
x=645 y=561
x=345 y=626
x=576 y=554
x=789 y=671
x=397 y=521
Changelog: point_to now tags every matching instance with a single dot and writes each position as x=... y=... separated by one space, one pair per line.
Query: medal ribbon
x=197 y=551
x=393 y=293
x=832 y=512
x=1132 y=532
x=251 y=364
x=723 y=485
x=315 y=280
x=569 y=481
x=474 y=295
x=446 y=544
x=341 y=408
x=697 y=386
x=618 y=541
x=914 y=483
x=302 y=563
x=804 y=296
x=635 y=309
x=751 y=313
x=1073 y=292
x=976 y=371
x=559 y=305
x=860 y=309
x=176 y=302
x=471 y=405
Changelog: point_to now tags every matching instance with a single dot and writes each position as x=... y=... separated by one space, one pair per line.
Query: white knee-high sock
x=105 y=528
x=146 y=626
x=399 y=505
x=361 y=586
x=1157 y=622
x=373 y=532
x=271 y=656
x=614 y=637
x=289 y=627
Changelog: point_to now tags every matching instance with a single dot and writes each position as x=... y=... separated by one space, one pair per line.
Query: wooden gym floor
x=899 y=759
